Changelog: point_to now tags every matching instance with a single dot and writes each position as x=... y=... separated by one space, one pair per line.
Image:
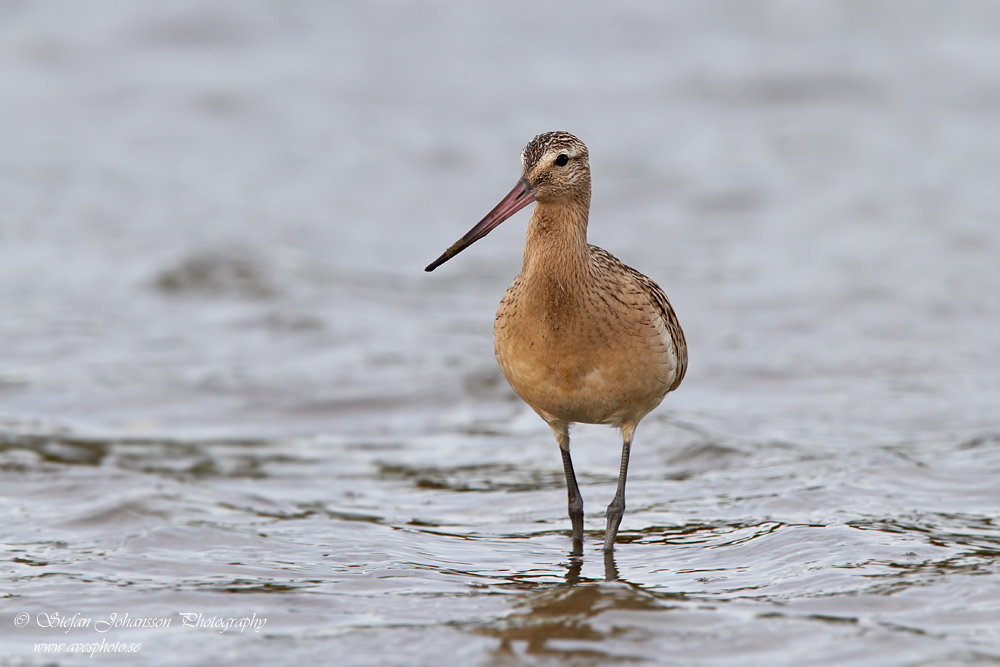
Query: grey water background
x=228 y=388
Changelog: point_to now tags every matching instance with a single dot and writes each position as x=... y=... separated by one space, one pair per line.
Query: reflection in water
x=570 y=611
x=576 y=564
x=610 y=568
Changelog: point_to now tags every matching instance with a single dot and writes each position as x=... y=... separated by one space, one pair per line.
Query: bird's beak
x=516 y=199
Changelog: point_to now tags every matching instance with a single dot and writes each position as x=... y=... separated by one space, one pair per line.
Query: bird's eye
x=562 y=160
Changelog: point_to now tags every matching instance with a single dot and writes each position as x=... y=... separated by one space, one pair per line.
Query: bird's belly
x=582 y=375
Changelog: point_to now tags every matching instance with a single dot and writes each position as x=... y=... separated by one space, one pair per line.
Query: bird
x=579 y=336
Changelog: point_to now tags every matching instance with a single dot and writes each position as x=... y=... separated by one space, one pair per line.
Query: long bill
x=516 y=199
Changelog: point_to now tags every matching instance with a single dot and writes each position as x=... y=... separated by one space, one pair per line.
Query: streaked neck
x=555 y=244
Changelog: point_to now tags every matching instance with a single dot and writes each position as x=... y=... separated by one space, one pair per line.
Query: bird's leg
x=575 y=500
x=575 y=504
x=617 y=507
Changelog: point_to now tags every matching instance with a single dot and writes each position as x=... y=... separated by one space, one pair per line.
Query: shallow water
x=227 y=388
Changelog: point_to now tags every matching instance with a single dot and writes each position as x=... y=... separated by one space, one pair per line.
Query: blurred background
x=215 y=215
x=214 y=218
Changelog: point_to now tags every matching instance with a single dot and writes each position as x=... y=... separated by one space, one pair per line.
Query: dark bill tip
x=520 y=196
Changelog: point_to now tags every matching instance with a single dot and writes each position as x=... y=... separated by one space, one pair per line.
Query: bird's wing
x=656 y=298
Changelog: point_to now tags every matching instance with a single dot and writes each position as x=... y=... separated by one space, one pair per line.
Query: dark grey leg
x=575 y=500
x=575 y=504
x=617 y=507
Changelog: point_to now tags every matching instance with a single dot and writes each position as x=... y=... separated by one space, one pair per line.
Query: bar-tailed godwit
x=579 y=336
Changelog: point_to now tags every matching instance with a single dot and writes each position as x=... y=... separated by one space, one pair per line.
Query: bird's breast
x=576 y=353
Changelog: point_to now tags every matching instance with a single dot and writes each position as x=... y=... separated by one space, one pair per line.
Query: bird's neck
x=555 y=245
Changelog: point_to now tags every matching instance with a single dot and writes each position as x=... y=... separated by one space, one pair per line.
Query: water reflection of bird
x=579 y=336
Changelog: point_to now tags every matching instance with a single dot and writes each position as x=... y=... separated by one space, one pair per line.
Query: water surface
x=227 y=388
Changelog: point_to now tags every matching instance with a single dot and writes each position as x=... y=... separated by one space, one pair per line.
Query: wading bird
x=579 y=336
